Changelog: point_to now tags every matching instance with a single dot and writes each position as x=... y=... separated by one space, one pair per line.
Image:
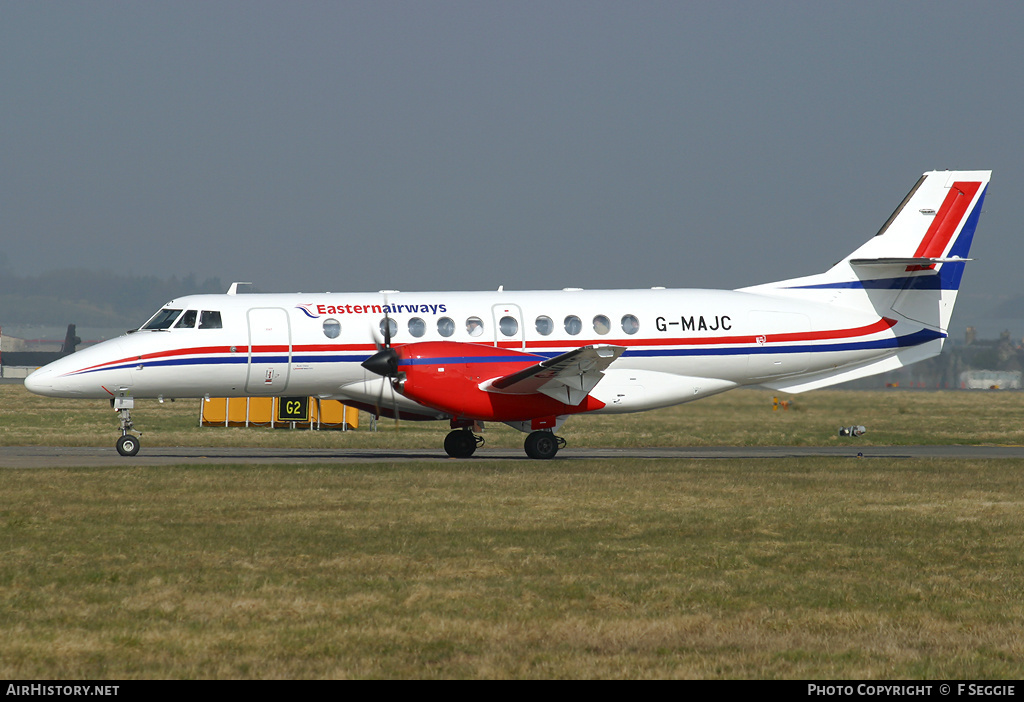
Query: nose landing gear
x=128 y=443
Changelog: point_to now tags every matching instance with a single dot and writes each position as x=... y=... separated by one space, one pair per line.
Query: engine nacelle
x=447 y=376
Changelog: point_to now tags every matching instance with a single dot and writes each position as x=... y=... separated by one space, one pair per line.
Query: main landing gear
x=543 y=444
x=462 y=443
x=128 y=443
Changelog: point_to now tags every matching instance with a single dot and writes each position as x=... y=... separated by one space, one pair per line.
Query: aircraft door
x=509 y=331
x=270 y=351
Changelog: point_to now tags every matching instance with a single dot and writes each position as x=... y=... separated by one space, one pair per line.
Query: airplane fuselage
x=680 y=345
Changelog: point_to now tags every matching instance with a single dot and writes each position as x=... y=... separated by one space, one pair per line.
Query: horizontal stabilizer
x=909 y=261
x=567 y=378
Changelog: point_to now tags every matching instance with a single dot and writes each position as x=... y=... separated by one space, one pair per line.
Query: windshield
x=162 y=319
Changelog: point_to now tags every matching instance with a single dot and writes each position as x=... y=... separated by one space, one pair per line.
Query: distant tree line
x=91 y=298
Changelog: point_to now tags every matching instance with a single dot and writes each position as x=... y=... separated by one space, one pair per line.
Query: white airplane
x=533 y=359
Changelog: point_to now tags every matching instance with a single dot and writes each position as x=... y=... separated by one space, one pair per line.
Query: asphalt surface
x=65 y=457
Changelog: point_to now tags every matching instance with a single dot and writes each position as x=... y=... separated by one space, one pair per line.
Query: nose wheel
x=128 y=445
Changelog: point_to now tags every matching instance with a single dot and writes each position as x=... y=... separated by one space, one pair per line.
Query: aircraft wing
x=568 y=378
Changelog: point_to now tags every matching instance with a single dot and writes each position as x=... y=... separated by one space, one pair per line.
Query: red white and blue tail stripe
x=914 y=265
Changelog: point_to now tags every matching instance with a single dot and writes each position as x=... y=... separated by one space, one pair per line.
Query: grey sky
x=461 y=145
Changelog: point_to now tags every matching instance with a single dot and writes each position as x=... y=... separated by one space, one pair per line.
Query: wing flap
x=568 y=378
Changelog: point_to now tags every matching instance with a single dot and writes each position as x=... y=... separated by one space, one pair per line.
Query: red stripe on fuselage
x=879 y=326
x=213 y=350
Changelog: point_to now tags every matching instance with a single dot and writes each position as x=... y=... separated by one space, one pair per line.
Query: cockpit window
x=162 y=319
x=187 y=321
x=210 y=319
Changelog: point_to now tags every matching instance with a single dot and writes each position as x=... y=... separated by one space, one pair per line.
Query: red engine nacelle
x=447 y=375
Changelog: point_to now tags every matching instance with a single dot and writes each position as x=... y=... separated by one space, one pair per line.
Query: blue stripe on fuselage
x=921 y=337
x=915 y=339
x=947 y=278
x=451 y=360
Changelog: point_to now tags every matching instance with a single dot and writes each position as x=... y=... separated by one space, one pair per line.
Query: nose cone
x=40 y=381
x=52 y=380
x=90 y=372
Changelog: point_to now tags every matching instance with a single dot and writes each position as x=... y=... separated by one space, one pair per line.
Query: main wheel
x=541 y=444
x=460 y=443
x=127 y=445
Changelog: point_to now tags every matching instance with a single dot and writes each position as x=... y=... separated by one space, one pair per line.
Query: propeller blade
x=385 y=361
x=385 y=328
x=380 y=400
x=394 y=404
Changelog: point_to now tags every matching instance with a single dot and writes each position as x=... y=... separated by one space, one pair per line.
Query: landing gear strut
x=128 y=443
x=462 y=443
x=543 y=444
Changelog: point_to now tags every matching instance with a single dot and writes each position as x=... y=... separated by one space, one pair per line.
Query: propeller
x=385 y=363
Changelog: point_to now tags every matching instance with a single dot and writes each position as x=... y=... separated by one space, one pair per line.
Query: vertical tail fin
x=913 y=266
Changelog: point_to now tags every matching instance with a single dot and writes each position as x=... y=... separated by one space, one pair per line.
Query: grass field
x=741 y=417
x=795 y=568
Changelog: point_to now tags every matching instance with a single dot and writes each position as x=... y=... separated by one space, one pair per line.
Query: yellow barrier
x=278 y=412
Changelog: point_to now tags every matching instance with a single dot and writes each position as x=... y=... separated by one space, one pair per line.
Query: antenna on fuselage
x=233 y=290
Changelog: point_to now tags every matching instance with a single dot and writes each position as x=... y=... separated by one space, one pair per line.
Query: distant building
x=11 y=343
x=991 y=380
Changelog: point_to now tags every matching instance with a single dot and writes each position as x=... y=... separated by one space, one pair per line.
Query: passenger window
x=602 y=325
x=332 y=328
x=417 y=327
x=446 y=326
x=573 y=325
x=630 y=324
x=544 y=325
x=162 y=319
x=210 y=319
x=508 y=326
x=475 y=326
x=187 y=321
x=388 y=328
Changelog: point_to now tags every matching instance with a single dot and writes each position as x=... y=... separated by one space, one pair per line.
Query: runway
x=75 y=457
